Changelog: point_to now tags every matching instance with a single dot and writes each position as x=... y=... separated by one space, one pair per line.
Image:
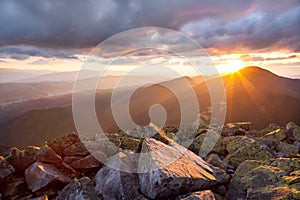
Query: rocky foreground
x=244 y=164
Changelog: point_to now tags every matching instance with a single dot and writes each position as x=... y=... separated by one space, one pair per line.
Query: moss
x=281 y=192
x=268 y=129
x=286 y=164
x=293 y=178
x=130 y=143
x=242 y=148
x=246 y=167
x=217 y=147
x=276 y=135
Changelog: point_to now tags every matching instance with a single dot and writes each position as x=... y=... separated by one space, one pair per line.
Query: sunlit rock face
x=41 y=176
x=175 y=170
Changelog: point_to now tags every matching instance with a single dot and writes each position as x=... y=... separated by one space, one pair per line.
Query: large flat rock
x=41 y=176
x=170 y=170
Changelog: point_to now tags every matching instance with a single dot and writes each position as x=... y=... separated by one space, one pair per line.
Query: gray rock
x=280 y=149
x=177 y=171
x=115 y=184
x=216 y=161
x=82 y=189
x=40 y=176
x=6 y=169
x=293 y=131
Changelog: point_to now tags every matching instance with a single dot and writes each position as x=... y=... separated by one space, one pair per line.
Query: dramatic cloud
x=254 y=31
x=22 y=52
x=227 y=25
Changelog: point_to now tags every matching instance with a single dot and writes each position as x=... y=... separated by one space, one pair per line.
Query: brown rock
x=77 y=149
x=21 y=159
x=87 y=162
x=13 y=186
x=41 y=176
x=60 y=144
x=48 y=155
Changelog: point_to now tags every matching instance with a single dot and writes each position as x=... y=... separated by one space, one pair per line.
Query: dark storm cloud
x=73 y=24
x=259 y=29
x=86 y=23
x=22 y=52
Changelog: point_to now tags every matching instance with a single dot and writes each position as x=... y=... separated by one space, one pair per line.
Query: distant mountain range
x=15 y=75
x=252 y=94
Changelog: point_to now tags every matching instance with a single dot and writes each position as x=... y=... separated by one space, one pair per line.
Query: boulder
x=41 y=176
x=268 y=129
x=13 y=186
x=216 y=161
x=60 y=144
x=217 y=147
x=87 y=162
x=169 y=171
x=21 y=159
x=276 y=135
x=280 y=149
x=77 y=149
x=241 y=148
x=112 y=183
x=82 y=189
x=6 y=169
x=293 y=131
x=201 y=195
x=47 y=155
x=238 y=128
x=269 y=179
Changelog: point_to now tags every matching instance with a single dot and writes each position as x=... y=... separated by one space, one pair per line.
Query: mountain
x=20 y=92
x=252 y=94
x=61 y=76
x=15 y=75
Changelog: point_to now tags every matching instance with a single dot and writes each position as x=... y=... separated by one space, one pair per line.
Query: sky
x=59 y=35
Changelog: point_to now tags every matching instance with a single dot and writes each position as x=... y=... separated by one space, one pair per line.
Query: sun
x=233 y=66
